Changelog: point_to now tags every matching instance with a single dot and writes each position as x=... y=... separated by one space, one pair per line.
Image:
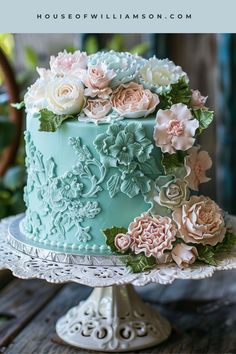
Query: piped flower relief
x=133 y=101
x=153 y=235
x=97 y=79
x=200 y=220
x=175 y=128
x=196 y=164
x=68 y=63
x=197 y=100
x=158 y=75
x=97 y=109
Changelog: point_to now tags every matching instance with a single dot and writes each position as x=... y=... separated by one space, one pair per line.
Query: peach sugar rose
x=133 y=101
x=97 y=109
x=200 y=220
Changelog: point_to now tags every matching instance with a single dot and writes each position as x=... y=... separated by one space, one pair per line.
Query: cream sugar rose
x=114 y=164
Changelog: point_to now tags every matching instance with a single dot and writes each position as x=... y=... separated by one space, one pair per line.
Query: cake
x=113 y=162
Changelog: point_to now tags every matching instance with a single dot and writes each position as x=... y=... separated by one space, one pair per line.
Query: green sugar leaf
x=50 y=122
x=204 y=118
x=180 y=92
x=110 y=235
x=171 y=162
x=206 y=254
x=227 y=244
x=139 y=262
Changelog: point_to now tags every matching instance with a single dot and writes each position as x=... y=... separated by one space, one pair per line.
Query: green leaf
x=110 y=235
x=91 y=44
x=116 y=43
x=50 y=122
x=18 y=105
x=140 y=48
x=139 y=262
x=204 y=118
x=227 y=244
x=179 y=93
x=171 y=162
x=113 y=185
x=31 y=57
x=7 y=132
x=206 y=254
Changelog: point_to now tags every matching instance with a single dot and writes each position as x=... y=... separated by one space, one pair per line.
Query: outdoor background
x=208 y=59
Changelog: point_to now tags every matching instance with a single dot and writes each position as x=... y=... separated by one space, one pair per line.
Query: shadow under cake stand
x=113 y=318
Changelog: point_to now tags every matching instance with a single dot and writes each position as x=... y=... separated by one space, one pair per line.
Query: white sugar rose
x=200 y=220
x=133 y=101
x=68 y=63
x=65 y=95
x=196 y=164
x=35 y=97
x=159 y=74
x=184 y=255
x=175 y=128
x=97 y=109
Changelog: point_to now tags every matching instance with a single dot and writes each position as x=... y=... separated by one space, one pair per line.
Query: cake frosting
x=113 y=161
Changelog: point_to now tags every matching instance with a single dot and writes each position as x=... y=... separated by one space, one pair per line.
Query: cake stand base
x=113 y=319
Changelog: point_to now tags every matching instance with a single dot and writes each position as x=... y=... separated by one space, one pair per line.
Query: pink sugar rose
x=200 y=220
x=97 y=109
x=97 y=79
x=68 y=64
x=197 y=163
x=184 y=255
x=152 y=235
x=122 y=242
x=175 y=128
x=197 y=100
x=133 y=101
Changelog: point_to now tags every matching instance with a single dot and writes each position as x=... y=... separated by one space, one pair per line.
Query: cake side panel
x=68 y=203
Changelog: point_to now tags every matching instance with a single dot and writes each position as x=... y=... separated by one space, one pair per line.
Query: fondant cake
x=113 y=162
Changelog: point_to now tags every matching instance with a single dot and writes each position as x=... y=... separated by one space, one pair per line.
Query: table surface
x=202 y=312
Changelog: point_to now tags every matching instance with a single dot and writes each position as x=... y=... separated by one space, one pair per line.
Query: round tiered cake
x=112 y=161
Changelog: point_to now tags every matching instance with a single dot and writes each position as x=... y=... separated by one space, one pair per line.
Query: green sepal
x=171 y=162
x=139 y=262
x=110 y=235
x=18 y=105
x=50 y=122
x=204 y=118
x=227 y=244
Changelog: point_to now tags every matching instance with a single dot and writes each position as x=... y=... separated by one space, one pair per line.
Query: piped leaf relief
x=67 y=198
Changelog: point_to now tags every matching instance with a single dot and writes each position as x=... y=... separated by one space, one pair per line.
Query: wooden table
x=203 y=314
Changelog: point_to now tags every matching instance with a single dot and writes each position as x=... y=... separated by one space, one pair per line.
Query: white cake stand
x=113 y=318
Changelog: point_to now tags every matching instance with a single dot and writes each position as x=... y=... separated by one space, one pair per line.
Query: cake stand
x=113 y=318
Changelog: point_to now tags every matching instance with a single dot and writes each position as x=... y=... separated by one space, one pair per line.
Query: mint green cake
x=113 y=161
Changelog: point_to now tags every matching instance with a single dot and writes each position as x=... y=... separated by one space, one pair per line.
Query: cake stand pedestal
x=113 y=318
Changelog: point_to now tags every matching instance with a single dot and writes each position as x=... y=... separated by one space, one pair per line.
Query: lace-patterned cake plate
x=113 y=318
x=28 y=260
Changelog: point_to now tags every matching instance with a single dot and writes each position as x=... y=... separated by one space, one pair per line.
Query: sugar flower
x=133 y=101
x=184 y=255
x=175 y=128
x=200 y=220
x=197 y=100
x=97 y=109
x=68 y=63
x=152 y=235
x=197 y=163
x=158 y=75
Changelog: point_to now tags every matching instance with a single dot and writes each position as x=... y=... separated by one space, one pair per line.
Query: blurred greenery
x=12 y=183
